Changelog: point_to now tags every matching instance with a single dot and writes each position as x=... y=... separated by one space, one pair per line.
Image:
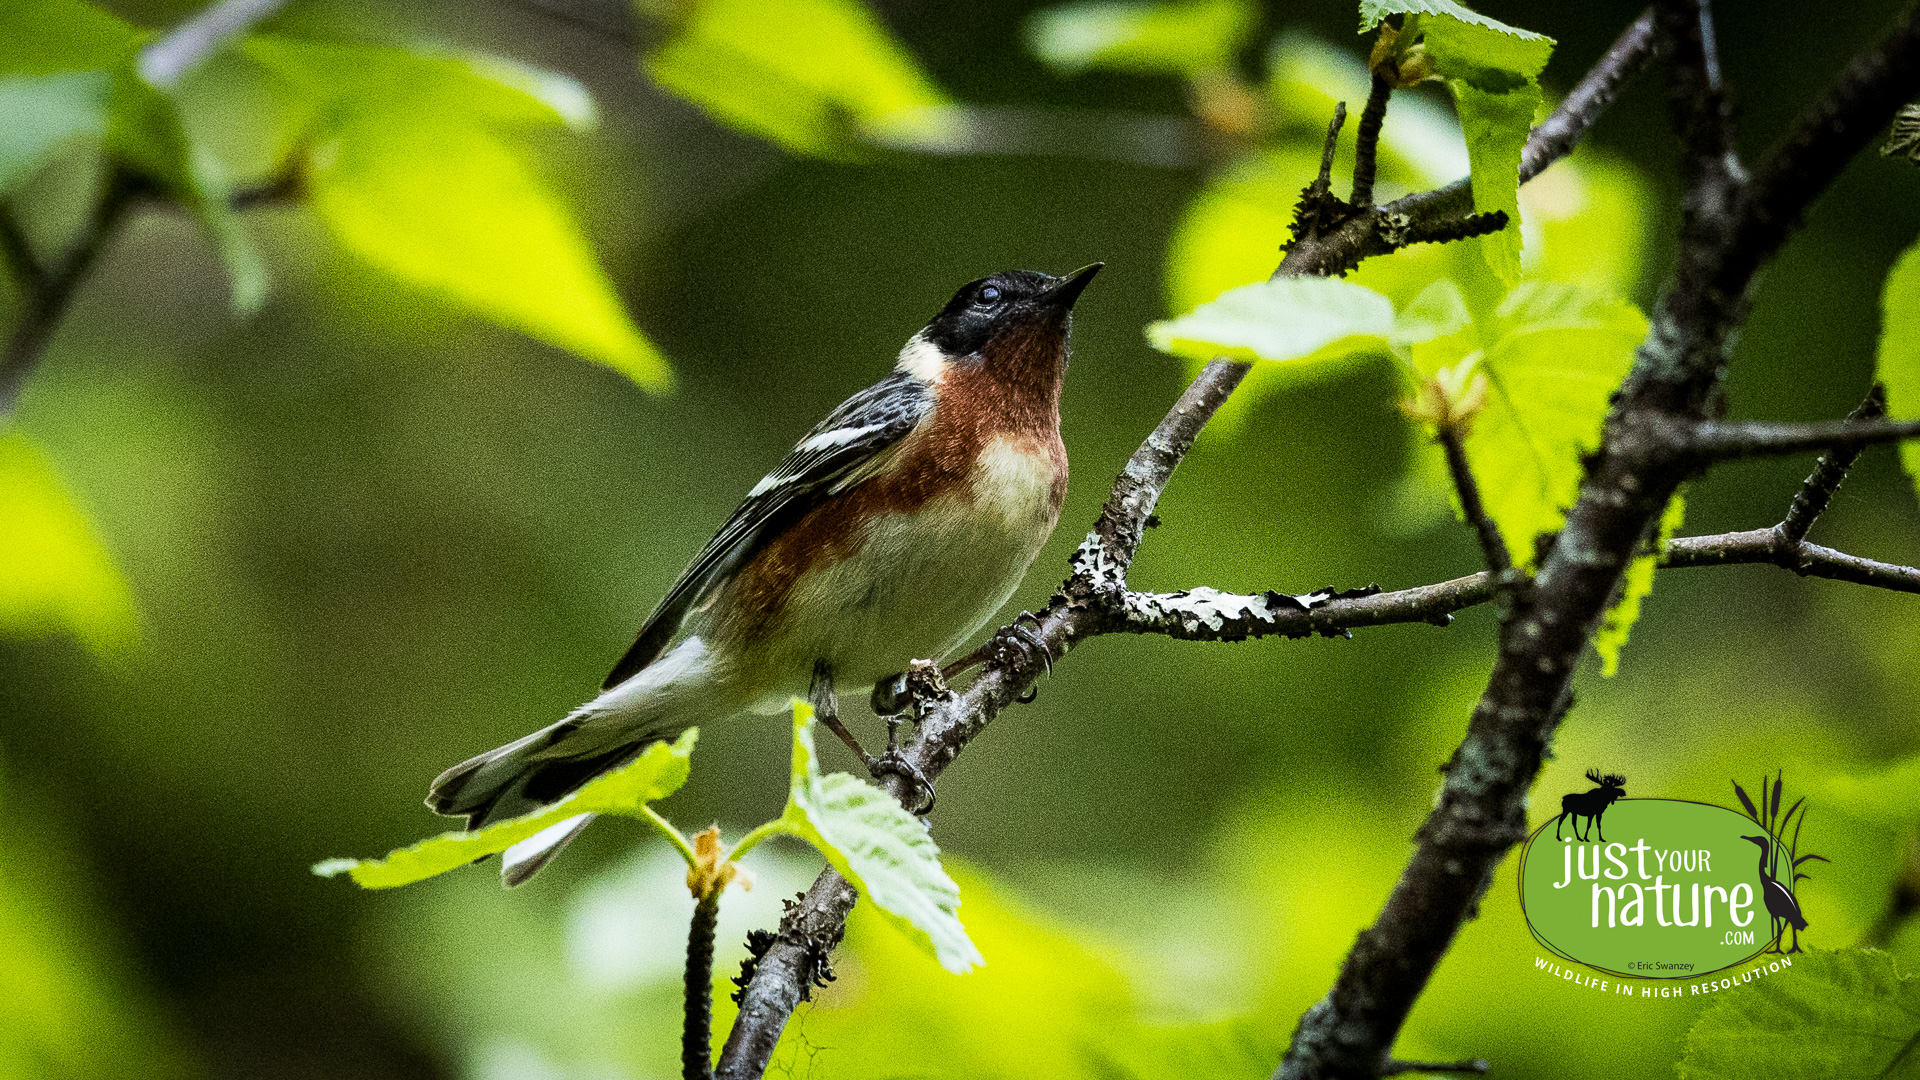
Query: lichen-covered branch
x=1446 y=213
x=1094 y=600
x=1726 y=440
x=1730 y=227
x=1773 y=546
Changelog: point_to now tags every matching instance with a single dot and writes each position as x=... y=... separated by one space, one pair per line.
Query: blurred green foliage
x=368 y=537
x=1834 y=1014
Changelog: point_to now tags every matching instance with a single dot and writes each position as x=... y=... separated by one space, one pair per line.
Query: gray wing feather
x=839 y=452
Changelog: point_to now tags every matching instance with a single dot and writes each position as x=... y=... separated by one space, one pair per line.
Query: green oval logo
x=1656 y=888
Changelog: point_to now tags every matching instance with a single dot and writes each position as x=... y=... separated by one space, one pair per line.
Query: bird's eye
x=990 y=295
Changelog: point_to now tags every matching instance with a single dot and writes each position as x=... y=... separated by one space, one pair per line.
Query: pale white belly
x=920 y=585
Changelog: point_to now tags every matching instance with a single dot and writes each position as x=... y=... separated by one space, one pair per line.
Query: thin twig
x=1829 y=473
x=45 y=295
x=1091 y=601
x=169 y=59
x=1727 y=440
x=1367 y=141
x=696 y=1037
x=1559 y=133
x=1727 y=234
x=1492 y=546
x=1473 y=1065
x=1807 y=560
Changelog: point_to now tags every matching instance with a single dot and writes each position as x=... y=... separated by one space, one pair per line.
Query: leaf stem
x=777 y=827
x=680 y=843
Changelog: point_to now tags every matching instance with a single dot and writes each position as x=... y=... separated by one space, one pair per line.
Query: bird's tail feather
x=557 y=760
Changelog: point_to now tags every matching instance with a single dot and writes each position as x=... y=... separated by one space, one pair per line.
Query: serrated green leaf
x=55 y=575
x=1553 y=355
x=412 y=175
x=1439 y=311
x=1465 y=35
x=1826 y=1014
x=809 y=75
x=341 y=79
x=39 y=37
x=1490 y=68
x=145 y=131
x=1496 y=126
x=1179 y=37
x=657 y=773
x=1897 y=364
x=469 y=222
x=45 y=113
x=1465 y=44
x=874 y=843
x=1287 y=319
x=1634 y=587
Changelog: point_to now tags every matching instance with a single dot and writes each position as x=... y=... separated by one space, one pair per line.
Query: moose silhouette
x=1591 y=804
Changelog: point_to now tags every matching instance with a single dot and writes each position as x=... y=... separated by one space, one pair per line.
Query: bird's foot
x=898 y=764
x=1024 y=639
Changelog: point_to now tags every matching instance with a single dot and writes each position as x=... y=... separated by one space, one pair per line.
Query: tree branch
x=1094 y=600
x=1492 y=546
x=1444 y=213
x=46 y=293
x=1367 y=141
x=1829 y=473
x=696 y=1033
x=1771 y=545
x=1726 y=235
x=1728 y=440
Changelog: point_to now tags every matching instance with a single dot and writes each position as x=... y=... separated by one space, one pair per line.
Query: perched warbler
x=893 y=531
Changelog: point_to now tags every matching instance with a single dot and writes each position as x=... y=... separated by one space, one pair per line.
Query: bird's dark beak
x=1070 y=287
x=1755 y=839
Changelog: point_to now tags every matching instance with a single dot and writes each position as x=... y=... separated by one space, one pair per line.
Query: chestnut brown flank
x=1020 y=402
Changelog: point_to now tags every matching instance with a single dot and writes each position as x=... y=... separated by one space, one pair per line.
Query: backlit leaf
x=1178 y=37
x=1898 y=364
x=412 y=174
x=1552 y=356
x=55 y=575
x=1288 y=319
x=810 y=75
x=657 y=773
x=1830 y=1014
x=44 y=113
x=1491 y=69
x=874 y=843
x=1634 y=588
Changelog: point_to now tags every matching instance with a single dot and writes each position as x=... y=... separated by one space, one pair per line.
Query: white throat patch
x=921 y=358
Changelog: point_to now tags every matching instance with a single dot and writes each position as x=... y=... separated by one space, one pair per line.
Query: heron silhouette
x=1780 y=903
